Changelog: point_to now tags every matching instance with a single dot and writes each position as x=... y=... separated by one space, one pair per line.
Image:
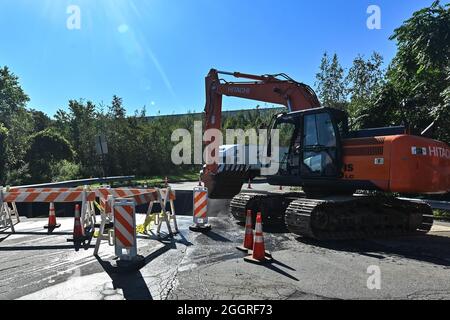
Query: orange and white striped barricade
x=50 y=196
x=107 y=217
x=5 y=214
x=29 y=190
x=141 y=196
x=173 y=215
x=150 y=197
x=144 y=196
x=163 y=197
x=200 y=208
x=15 y=212
x=87 y=205
x=121 y=192
x=87 y=216
x=13 y=207
x=125 y=233
x=168 y=195
x=87 y=211
x=104 y=209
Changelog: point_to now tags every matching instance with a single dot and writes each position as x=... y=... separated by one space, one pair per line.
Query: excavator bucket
x=224 y=185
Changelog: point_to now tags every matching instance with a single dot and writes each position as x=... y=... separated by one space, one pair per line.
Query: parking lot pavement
x=35 y=265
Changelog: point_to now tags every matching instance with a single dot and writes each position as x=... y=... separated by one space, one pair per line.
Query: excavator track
x=357 y=218
x=271 y=206
x=241 y=203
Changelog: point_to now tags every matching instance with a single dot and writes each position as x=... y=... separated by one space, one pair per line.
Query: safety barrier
x=60 y=195
x=200 y=214
x=6 y=214
x=125 y=228
x=162 y=197
x=9 y=199
x=117 y=207
x=137 y=197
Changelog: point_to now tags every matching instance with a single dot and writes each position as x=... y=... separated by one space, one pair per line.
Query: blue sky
x=157 y=52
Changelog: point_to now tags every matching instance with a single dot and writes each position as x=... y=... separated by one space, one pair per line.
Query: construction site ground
x=35 y=265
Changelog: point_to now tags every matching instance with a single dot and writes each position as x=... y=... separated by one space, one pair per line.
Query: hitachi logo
x=239 y=90
x=439 y=152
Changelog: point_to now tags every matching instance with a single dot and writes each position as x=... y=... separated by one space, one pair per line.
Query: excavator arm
x=277 y=89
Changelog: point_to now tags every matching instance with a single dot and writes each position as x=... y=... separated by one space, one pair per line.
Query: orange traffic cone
x=248 y=239
x=249 y=184
x=78 y=235
x=259 y=255
x=52 y=218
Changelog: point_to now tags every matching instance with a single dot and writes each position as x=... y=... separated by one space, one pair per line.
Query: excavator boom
x=277 y=89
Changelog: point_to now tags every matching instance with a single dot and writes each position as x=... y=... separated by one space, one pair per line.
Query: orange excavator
x=329 y=162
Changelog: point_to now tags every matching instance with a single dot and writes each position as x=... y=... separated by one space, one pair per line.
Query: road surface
x=35 y=265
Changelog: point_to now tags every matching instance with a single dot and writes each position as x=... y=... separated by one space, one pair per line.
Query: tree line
x=414 y=90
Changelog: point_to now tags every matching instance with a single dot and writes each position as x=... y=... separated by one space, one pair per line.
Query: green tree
x=364 y=79
x=82 y=128
x=12 y=98
x=40 y=120
x=420 y=71
x=46 y=148
x=15 y=118
x=330 y=83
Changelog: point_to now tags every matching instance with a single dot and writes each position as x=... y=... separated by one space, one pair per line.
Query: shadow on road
x=275 y=228
x=271 y=266
x=278 y=270
x=36 y=233
x=427 y=248
x=6 y=237
x=36 y=248
x=216 y=237
x=132 y=284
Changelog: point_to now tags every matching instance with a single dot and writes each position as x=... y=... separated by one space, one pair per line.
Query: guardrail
x=76 y=183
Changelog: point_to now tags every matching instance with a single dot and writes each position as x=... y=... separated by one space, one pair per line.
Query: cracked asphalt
x=34 y=265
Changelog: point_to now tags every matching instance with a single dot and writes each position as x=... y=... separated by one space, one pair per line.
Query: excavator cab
x=308 y=155
x=310 y=146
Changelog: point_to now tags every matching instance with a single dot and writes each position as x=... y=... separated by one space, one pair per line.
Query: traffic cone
x=52 y=218
x=248 y=238
x=249 y=184
x=77 y=229
x=259 y=255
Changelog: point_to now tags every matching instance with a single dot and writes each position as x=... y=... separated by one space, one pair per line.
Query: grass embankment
x=157 y=181
x=441 y=214
x=183 y=177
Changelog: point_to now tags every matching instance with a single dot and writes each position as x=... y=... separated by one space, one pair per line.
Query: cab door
x=320 y=146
